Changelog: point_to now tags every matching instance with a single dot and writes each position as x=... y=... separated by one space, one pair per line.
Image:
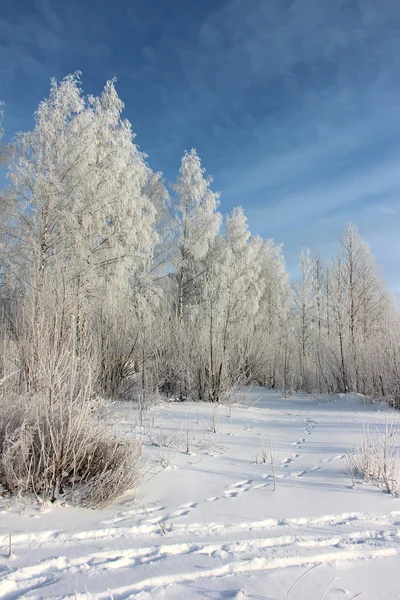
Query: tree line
x=100 y=256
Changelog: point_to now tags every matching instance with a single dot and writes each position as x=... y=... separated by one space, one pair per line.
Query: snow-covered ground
x=209 y=525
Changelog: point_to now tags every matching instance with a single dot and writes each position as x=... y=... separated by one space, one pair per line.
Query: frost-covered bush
x=376 y=459
x=64 y=450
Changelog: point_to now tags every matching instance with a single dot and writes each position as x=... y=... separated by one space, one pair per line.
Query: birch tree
x=366 y=298
x=272 y=315
x=303 y=294
x=233 y=303
x=195 y=223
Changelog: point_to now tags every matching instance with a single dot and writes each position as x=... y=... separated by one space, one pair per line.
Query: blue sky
x=293 y=105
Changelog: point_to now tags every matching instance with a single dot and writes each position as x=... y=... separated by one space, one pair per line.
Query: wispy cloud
x=317 y=137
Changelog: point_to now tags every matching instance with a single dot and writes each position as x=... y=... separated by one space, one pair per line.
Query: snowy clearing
x=207 y=524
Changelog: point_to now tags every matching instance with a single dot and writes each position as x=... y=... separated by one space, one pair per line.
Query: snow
x=209 y=525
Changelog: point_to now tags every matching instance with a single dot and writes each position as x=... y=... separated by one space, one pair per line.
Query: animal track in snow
x=135 y=513
x=337 y=457
x=297 y=473
x=298 y=443
x=240 y=484
x=236 y=488
x=189 y=505
x=311 y=424
x=184 y=510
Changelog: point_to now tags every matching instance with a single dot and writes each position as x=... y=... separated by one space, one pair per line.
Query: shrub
x=64 y=450
x=56 y=441
x=376 y=459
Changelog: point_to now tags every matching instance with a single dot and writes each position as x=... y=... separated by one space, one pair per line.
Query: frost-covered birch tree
x=272 y=316
x=232 y=303
x=195 y=224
